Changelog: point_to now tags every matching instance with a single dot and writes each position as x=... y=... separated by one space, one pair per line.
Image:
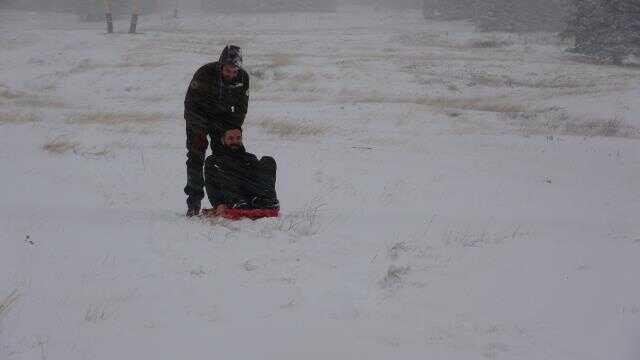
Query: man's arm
x=203 y=92
x=239 y=111
x=198 y=87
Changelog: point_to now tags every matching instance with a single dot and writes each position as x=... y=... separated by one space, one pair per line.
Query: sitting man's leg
x=264 y=189
x=222 y=184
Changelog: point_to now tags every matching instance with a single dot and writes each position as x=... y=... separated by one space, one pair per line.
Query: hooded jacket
x=235 y=167
x=212 y=102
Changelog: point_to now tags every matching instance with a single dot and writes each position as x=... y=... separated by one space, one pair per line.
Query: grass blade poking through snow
x=8 y=302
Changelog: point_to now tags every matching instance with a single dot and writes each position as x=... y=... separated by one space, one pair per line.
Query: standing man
x=217 y=100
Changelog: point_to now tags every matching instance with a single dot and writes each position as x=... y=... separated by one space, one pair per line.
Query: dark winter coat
x=240 y=162
x=213 y=103
x=232 y=176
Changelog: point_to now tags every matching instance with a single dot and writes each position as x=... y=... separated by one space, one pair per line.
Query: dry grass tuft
x=556 y=121
x=60 y=145
x=506 y=80
x=114 y=118
x=492 y=43
x=8 y=302
x=303 y=222
x=32 y=101
x=17 y=118
x=614 y=127
x=96 y=153
x=95 y=314
x=128 y=62
x=554 y=83
x=26 y=99
x=6 y=93
x=394 y=276
x=279 y=60
x=303 y=77
x=543 y=38
x=286 y=129
x=353 y=95
x=142 y=64
x=497 y=105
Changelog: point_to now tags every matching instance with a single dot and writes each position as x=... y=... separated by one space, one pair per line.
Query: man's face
x=229 y=72
x=233 y=139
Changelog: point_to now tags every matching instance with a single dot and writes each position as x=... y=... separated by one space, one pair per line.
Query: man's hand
x=220 y=209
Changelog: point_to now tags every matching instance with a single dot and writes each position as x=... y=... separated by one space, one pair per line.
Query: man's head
x=232 y=139
x=231 y=60
x=229 y=72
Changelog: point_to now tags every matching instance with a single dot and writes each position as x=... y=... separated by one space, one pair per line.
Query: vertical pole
x=135 y=10
x=107 y=15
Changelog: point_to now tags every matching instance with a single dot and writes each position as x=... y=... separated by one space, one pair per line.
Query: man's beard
x=235 y=147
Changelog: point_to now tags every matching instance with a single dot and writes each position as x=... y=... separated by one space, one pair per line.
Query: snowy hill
x=446 y=194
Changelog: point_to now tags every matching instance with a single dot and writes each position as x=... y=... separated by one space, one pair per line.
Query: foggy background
x=605 y=28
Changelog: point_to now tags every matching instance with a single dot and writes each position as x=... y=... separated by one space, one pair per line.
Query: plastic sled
x=238 y=214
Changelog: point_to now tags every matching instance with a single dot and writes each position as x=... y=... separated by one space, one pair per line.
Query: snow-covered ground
x=446 y=194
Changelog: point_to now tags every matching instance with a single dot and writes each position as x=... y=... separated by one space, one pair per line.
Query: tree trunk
x=135 y=11
x=108 y=16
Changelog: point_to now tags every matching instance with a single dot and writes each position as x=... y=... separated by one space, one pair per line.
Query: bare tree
x=606 y=28
x=135 y=11
x=108 y=15
x=520 y=15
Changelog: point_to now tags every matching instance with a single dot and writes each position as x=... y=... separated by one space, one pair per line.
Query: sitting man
x=236 y=179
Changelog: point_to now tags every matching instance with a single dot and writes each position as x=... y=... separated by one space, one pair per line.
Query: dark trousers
x=228 y=181
x=198 y=133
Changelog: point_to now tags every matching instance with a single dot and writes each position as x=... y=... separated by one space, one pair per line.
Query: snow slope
x=446 y=194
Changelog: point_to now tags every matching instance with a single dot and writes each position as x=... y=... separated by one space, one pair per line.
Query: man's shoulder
x=214 y=64
x=209 y=67
x=239 y=155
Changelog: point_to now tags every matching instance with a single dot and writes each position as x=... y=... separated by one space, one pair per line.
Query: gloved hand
x=220 y=209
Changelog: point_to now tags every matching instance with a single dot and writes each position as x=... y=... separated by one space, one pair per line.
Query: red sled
x=238 y=214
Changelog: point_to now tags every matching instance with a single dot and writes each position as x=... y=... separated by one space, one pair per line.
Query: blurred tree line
x=92 y=10
x=609 y=28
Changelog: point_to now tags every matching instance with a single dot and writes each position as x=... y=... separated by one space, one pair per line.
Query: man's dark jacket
x=214 y=103
x=239 y=175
